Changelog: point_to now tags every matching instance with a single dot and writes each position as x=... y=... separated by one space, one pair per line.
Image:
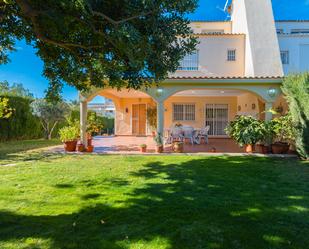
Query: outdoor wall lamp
x=272 y=92
x=159 y=91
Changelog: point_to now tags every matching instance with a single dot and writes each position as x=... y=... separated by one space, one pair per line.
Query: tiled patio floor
x=130 y=145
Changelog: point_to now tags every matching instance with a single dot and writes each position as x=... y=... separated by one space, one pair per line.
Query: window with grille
x=184 y=112
x=190 y=62
x=285 y=57
x=231 y=55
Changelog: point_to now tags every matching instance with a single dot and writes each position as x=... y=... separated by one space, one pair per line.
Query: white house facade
x=293 y=37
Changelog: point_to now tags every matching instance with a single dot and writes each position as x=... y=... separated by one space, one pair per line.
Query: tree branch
x=31 y=13
x=96 y=13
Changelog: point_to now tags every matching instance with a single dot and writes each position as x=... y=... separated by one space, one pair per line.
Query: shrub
x=283 y=129
x=245 y=130
x=22 y=124
x=69 y=133
x=296 y=90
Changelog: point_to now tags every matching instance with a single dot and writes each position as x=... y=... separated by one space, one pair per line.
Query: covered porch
x=195 y=103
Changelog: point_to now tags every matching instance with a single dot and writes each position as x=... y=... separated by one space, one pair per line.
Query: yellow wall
x=123 y=118
x=200 y=103
x=245 y=102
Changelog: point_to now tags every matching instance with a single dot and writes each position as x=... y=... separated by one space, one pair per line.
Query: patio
x=131 y=144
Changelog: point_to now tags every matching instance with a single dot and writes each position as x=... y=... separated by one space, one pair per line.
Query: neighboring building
x=235 y=70
x=293 y=39
x=106 y=109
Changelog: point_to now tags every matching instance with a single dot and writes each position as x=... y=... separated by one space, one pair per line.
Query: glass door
x=217 y=118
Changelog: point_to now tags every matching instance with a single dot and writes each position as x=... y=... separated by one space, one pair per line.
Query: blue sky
x=26 y=68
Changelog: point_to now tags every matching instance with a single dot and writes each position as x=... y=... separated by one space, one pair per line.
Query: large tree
x=86 y=43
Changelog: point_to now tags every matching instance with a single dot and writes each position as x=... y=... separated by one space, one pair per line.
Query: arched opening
x=131 y=111
x=214 y=107
x=104 y=111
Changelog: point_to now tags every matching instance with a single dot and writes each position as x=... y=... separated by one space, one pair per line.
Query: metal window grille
x=231 y=55
x=285 y=57
x=217 y=118
x=190 y=62
x=184 y=112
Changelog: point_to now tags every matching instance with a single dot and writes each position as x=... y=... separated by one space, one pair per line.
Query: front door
x=139 y=119
x=217 y=118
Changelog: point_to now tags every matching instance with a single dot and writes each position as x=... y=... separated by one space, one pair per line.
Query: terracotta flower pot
x=213 y=150
x=265 y=149
x=90 y=148
x=178 y=147
x=70 y=146
x=159 y=148
x=80 y=148
x=89 y=141
x=259 y=148
x=143 y=149
x=280 y=148
x=249 y=148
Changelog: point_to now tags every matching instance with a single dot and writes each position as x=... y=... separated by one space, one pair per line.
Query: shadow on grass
x=23 y=150
x=201 y=203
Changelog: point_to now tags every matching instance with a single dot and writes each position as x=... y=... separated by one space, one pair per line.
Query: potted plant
x=80 y=147
x=159 y=143
x=89 y=148
x=283 y=131
x=69 y=136
x=152 y=119
x=178 y=147
x=246 y=131
x=266 y=138
x=94 y=126
x=143 y=148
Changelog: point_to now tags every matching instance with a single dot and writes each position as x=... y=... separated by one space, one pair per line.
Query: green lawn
x=106 y=202
x=24 y=150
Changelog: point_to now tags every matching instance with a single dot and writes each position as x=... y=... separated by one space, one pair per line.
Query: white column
x=160 y=117
x=83 y=122
x=268 y=113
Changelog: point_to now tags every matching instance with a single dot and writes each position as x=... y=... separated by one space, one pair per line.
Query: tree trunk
x=51 y=131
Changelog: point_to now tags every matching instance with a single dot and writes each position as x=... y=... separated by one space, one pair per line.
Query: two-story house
x=236 y=69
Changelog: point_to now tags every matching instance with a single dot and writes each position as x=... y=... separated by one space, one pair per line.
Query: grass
x=154 y=202
x=17 y=151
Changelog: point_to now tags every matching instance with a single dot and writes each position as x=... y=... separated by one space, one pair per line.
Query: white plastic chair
x=177 y=134
x=204 y=134
x=189 y=133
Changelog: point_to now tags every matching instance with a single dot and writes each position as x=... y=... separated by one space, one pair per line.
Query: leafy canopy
x=97 y=43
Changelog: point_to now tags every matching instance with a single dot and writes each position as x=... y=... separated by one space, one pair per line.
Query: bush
x=22 y=124
x=69 y=133
x=245 y=130
x=283 y=129
x=296 y=90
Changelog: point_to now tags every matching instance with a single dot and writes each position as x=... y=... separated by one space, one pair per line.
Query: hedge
x=296 y=90
x=22 y=124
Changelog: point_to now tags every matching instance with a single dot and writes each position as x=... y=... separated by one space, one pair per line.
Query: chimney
x=255 y=19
